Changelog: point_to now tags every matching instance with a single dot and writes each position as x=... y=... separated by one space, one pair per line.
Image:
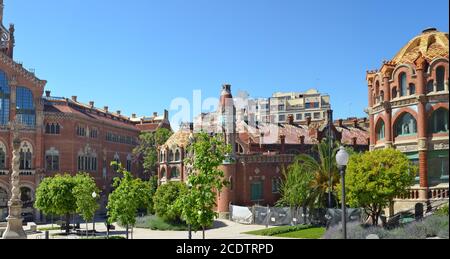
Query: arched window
x=52 y=160
x=438 y=122
x=394 y=92
x=26 y=196
x=174 y=173
x=377 y=91
x=2 y=156
x=163 y=173
x=406 y=125
x=52 y=128
x=177 y=155
x=5 y=95
x=440 y=78
x=412 y=89
x=26 y=112
x=117 y=160
x=430 y=86
x=403 y=84
x=87 y=160
x=162 y=156
x=380 y=129
x=129 y=163
x=26 y=154
x=170 y=157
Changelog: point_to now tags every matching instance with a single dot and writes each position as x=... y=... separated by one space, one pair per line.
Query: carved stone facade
x=59 y=135
x=408 y=107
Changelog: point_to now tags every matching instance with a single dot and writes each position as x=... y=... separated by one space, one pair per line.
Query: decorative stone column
x=14 y=228
x=388 y=69
x=371 y=116
x=422 y=126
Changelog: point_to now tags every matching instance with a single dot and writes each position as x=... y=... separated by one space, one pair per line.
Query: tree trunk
x=203 y=232
x=127 y=231
x=132 y=232
x=67 y=223
x=304 y=215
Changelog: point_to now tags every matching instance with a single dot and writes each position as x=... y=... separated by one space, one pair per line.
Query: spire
x=1 y=11
x=6 y=36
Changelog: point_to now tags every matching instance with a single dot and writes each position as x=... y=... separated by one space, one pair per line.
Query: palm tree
x=322 y=169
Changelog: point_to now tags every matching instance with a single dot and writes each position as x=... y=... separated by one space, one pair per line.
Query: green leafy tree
x=87 y=205
x=205 y=181
x=295 y=189
x=164 y=198
x=147 y=150
x=374 y=179
x=130 y=195
x=153 y=182
x=55 y=196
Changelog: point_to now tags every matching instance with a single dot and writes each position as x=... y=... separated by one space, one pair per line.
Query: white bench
x=32 y=226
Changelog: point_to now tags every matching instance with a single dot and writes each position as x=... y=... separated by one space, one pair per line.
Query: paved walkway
x=224 y=229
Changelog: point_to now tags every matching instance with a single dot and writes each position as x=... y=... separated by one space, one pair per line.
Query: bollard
x=47 y=234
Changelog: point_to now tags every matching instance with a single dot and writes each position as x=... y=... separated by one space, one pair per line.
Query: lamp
x=342 y=158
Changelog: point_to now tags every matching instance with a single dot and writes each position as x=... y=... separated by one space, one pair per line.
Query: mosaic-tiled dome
x=431 y=43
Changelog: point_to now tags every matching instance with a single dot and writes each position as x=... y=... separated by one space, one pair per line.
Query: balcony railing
x=27 y=172
x=438 y=193
x=4 y=172
x=434 y=193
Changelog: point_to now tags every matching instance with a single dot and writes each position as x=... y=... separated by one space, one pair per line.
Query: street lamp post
x=94 y=196
x=342 y=158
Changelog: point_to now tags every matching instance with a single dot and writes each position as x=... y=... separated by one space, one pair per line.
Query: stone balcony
x=418 y=194
x=27 y=172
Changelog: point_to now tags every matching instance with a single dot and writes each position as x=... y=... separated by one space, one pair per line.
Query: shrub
x=164 y=201
x=443 y=211
x=156 y=223
x=435 y=224
x=443 y=233
x=416 y=230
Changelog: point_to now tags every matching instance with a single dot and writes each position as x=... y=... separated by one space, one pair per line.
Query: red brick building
x=408 y=109
x=59 y=135
x=260 y=151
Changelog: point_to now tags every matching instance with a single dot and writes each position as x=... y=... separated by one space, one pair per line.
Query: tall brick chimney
x=301 y=139
x=74 y=98
x=133 y=116
x=47 y=93
x=166 y=115
x=92 y=104
x=308 y=121
x=119 y=112
x=340 y=123
x=106 y=108
x=291 y=119
x=283 y=143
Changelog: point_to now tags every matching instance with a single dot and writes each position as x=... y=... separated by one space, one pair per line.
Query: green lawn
x=301 y=231
x=312 y=233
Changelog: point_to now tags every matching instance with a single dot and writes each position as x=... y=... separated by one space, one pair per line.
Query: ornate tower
x=227 y=127
x=6 y=36
x=227 y=117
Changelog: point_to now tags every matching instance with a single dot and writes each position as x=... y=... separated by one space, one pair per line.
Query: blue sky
x=138 y=55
